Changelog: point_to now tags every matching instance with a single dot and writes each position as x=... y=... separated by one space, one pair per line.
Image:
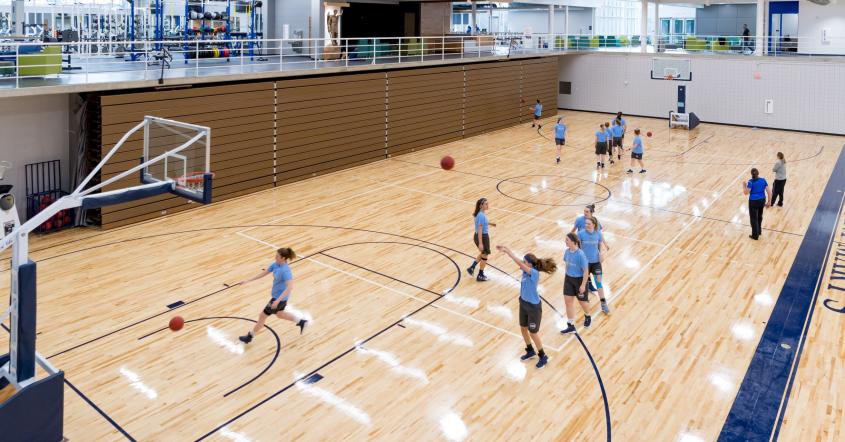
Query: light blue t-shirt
x=481 y=218
x=622 y=123
x=538 y=110
x=638 y=145
x=590 y=244
x=601 y=136
x=608 y=133
x=581 y=223
x=758 y=189
x=528 y=286
x=560 y=130
x=617 y=131
x=575 y=262
x=281 y=276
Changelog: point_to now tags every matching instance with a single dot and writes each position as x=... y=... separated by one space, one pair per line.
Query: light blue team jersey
x=608 y=134
x=528 y=286
x=622 y=124
x=581 y=223
x=617 y=131
x=481 y=218
x=538 y=110
x=638 y=145
x=575 y=262
x=560 y=131
x=590 y=244
x=601 y=136
x=281 y=276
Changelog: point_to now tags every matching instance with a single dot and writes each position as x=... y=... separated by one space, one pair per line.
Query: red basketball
x=648 y=134
x=447 y=162
x=176 y=323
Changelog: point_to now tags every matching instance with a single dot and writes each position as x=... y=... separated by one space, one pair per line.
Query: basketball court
x=403 y=344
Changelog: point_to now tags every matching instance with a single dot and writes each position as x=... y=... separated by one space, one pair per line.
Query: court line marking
x=398 y=292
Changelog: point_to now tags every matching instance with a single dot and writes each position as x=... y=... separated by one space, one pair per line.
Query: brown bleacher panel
x=492 y=101
x=425 y=108
x=539 y=80
x=328 y=123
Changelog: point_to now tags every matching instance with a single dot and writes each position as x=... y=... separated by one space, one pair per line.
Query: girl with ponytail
x=575 y=282
x=530 y=308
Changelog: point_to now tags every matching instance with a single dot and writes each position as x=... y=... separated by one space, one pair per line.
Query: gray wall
x=722 y=90
x=725 y=19
x=34 y=129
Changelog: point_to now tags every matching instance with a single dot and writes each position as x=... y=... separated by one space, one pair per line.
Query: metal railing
x=36 y=64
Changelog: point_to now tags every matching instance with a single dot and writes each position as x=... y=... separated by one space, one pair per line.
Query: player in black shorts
x=575 y=282
x=530 y=307
x=481 y=238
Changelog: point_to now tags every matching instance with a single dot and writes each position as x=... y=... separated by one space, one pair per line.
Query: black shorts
x=530 y=315
x=572 y=287
x=601 y=148
x=485 y=241
x=595 y=269
x=617 y=141
x=536 y=117
x=560 y=141
x=269 y=310
x=636 y=156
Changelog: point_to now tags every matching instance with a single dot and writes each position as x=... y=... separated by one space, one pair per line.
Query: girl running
x=560 y=136
x=637 y=152
x=591 y=244
x=530 y=308
x=780 y=179
x=601 y=146
x=481 y=238
x=575 y=282
x=538 y=112
x=279 y=293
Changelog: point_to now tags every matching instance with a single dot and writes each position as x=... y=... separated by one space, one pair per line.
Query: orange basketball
x=447 y=162
x=176 y=323
x=648 y=134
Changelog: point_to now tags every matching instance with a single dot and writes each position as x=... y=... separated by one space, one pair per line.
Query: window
x=690 y=26
x=664 y=26
x=679 y=26
x=564 y=88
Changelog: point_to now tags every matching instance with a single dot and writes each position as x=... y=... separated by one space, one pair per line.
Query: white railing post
x=442 y=48
x=400 y=49
x=17 y=65
x=197 y=58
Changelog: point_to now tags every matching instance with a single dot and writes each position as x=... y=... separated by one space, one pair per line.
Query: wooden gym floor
x=404 y=346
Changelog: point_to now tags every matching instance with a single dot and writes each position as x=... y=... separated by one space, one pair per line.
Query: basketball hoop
x=669 y=77
x=192 y=181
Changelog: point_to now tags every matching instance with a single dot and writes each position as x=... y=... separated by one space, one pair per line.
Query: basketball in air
x=648 y=134
x=176 y=323
x=447 y=162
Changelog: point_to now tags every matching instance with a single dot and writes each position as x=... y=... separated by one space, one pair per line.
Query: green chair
x=695 y=44
x=46 y=62
x=411 y=46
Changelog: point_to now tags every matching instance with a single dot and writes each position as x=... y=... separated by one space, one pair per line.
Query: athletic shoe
x=753 y=237
x=301 y=324
x=587 y=321
x=539 y=126
x=604 y=307
x=619 y=156
x=642 y=171
x=598 y=164
x=558 y=160
x=471 y=271
x=481 y=277
x=569 y=329
x=630 y=171
x=612 y=162
x=543 y=361
x=529 y=353
x=602 y=165
x=246 y=339
x=532 y=125
x=779 y=204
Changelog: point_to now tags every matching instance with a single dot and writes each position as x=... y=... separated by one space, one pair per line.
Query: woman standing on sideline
x=481 y=238
x=530 y=308
x=780 y=179
x=759 y=196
